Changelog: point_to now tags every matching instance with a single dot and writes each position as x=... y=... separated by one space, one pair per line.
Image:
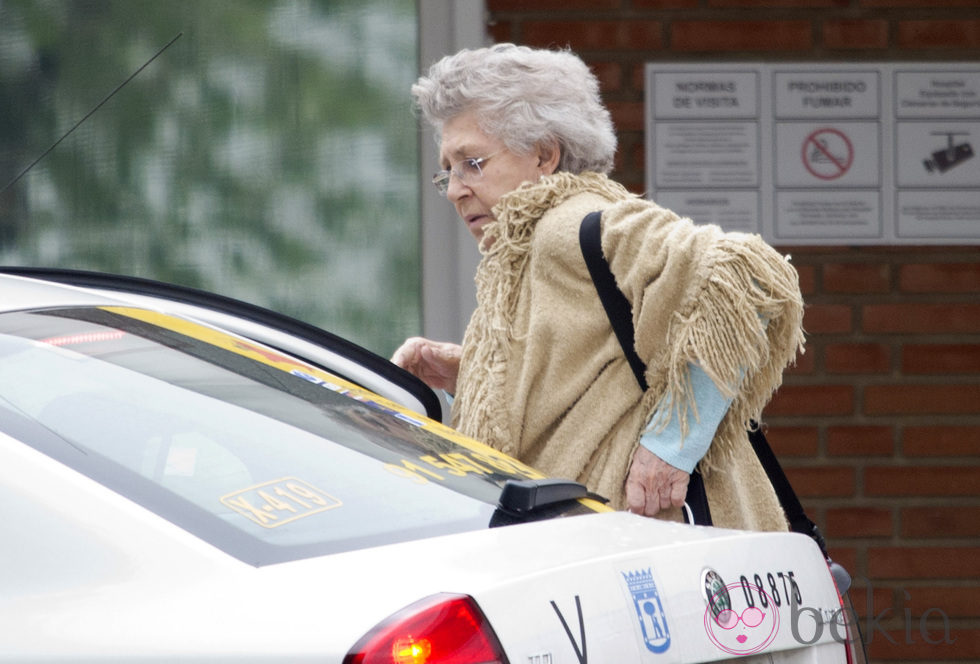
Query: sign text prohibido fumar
x=819 y=153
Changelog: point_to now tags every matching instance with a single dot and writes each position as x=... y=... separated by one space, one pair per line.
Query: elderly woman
x=525 y=144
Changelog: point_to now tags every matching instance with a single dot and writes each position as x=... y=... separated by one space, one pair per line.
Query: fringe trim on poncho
x=498 y=279
x=725 y=301
x=742 y=329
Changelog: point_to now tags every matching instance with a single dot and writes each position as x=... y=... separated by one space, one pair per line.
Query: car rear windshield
x=261 y=454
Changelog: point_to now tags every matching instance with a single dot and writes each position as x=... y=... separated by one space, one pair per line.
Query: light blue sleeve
x=711 y=405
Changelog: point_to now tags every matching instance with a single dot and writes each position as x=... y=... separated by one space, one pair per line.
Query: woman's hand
x=653 y=484
x=436 y=363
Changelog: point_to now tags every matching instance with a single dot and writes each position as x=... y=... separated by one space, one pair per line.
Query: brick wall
x=878 y=425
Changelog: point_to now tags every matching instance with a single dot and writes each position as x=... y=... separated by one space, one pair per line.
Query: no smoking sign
x=827 y=153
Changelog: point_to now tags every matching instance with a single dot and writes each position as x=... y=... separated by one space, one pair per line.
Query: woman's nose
x=457 y=189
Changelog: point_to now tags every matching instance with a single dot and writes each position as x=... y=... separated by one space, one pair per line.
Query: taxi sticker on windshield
x=474 y=457
x=459 y=464
x=279 y=502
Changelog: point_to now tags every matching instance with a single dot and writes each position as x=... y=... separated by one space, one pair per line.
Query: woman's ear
x=549 y=155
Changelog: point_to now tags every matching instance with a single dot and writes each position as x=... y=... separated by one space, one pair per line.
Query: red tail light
x=440 y=629
x=854 y=646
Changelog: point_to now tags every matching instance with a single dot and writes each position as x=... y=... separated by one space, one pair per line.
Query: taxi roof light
x=439 y=629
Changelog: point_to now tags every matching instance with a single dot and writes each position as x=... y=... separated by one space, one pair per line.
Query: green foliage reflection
x=269 y=154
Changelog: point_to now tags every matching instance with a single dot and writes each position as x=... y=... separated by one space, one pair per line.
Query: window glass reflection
x=269 y=154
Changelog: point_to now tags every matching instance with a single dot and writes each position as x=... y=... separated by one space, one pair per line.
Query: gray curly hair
x=523 y=97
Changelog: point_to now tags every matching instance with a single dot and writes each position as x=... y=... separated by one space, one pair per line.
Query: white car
x=188 y=478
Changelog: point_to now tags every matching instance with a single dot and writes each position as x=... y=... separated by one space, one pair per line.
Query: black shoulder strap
x=613 y=301
x=621 y=318
x=799 y=522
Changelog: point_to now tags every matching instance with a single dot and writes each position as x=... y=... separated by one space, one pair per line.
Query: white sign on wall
x=819 y=153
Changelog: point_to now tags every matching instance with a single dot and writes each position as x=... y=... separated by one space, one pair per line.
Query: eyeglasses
x=467 y=170
x=751 y=617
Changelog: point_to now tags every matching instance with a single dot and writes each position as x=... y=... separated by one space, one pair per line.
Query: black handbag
x=620 y=317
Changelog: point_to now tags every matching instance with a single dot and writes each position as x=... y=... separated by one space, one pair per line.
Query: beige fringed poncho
x=544 y=379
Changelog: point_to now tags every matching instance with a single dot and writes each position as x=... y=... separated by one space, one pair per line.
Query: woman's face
x=503 y=170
